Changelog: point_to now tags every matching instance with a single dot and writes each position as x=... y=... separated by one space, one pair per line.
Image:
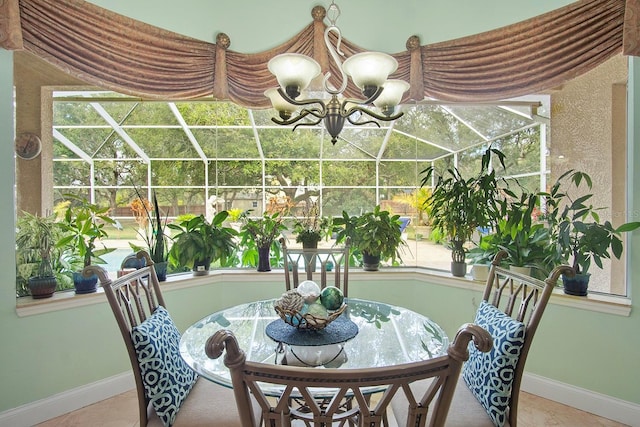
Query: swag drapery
x=128 y=56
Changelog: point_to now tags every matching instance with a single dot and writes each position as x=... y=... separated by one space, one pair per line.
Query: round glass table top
x=387 y=335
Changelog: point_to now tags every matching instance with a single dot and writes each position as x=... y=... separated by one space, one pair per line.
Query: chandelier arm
x=303 y=113
x=312 y=123
x=334 y=54
x=372 y=114
x=317 y=113
x=366 y=122
x=359 y=102
x=303 y=102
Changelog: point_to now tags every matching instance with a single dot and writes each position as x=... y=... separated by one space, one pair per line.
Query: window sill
x=610 y=304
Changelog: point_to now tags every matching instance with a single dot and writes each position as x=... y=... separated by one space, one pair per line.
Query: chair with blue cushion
x=489 y=387
x=331 y=397
x=169 y=392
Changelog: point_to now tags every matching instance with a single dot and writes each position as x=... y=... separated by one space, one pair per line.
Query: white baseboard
x=595 y=403
x=68 y=401
x=71 y=400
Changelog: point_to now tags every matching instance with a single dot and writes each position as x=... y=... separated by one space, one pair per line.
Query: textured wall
x=583 y=138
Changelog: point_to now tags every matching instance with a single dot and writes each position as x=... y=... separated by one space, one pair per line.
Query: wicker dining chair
x=317 y=396
x=152 y=342
x=325 y=266
x=489 y=387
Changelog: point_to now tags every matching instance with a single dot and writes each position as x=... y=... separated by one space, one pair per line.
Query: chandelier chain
x=333 y=13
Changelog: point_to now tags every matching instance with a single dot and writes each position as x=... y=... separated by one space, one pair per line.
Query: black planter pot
x=458 y=269
x=200 y=268
x=264 y=261
x=42 y=287
x=85 y=285
x=370 y=262
x=161 y=270
x=576 y=285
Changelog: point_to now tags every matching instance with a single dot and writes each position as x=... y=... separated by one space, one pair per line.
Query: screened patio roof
x=86 y=123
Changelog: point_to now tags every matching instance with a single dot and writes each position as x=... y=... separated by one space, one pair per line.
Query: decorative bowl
x=308 y=321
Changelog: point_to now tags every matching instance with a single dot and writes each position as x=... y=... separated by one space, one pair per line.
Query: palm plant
x=38 y=269
x=459 y=206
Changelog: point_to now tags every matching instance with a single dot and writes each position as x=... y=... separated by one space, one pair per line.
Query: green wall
x=49 y=353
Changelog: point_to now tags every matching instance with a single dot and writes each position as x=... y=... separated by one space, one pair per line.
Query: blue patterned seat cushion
x=490 y=375
x=167 y=378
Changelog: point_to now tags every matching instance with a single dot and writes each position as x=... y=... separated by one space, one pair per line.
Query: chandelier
x=368 y=70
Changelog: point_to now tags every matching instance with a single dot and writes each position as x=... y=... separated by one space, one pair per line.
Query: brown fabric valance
x=121 y=54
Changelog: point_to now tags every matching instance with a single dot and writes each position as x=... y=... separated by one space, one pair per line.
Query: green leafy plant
x=263 y=231
x=83 y=226
x=36 y=241
x=574 y=223
x=527 y=243
x=375 y=233
x=36 y=252
x=458 y=206
x=199 y=242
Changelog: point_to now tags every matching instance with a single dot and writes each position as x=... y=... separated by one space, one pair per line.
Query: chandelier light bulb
x=369 y=70
x=294 y=72
x=391 y=95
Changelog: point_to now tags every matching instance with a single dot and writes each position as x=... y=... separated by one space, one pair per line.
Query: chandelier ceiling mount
x=368 y=70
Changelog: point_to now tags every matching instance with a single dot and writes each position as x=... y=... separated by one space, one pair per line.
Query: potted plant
x=311 y=228
x=526 y=242
x=258 y=236
x=376 y=234
x=580 y=238
x=152 y=231
x=36 y=253
x=83 y=226
x=459 y=206
x=480 y=257
x=198 y=243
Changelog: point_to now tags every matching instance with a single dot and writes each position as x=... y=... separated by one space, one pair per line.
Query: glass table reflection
x=387 y=335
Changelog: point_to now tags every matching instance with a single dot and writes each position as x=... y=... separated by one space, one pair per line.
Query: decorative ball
x=317 y=310
x=331 y=298
x=316 y=313
x=291 y=301
x=309 y=290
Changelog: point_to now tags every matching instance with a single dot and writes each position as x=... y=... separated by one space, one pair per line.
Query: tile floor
x=121 y=411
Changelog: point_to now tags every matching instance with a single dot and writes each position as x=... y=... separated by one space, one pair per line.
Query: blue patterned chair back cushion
x=490 y=375
x=167 y=378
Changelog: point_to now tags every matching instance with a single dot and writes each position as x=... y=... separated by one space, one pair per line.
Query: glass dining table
x=378 y=334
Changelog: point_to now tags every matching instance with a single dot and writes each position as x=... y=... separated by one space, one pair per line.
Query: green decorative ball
x=317 y=310
x=331 y=297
